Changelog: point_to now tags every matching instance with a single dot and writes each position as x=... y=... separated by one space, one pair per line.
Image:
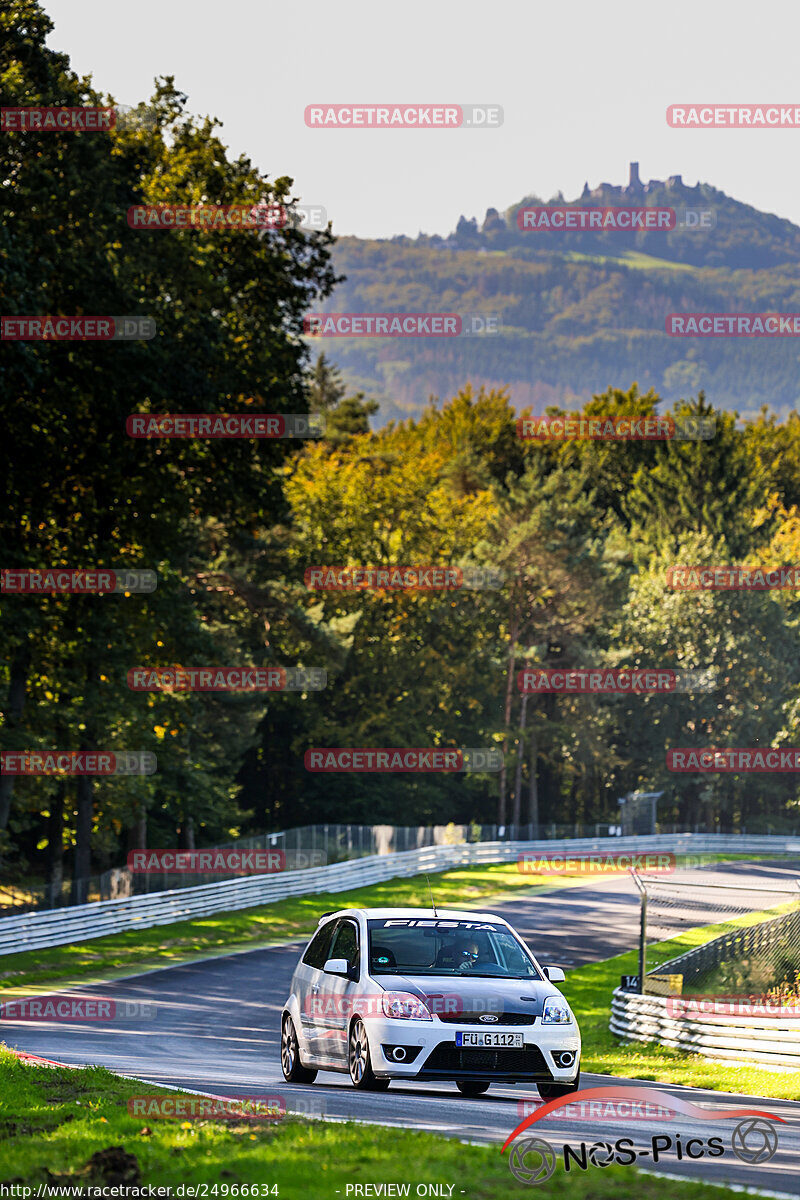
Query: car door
x=308 y=977
x=337 y=995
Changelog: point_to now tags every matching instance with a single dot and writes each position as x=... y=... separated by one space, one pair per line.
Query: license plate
x=490 y=1038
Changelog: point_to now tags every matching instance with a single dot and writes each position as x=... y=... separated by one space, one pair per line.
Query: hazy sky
x=584 y=87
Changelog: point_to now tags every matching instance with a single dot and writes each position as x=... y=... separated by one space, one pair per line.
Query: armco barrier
x=772 y=1041
x=59 y=927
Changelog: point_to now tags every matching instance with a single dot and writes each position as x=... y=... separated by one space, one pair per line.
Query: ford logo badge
x=487 y=1017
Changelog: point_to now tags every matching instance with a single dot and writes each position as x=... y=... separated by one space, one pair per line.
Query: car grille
x=449 y=1057
x=476 y=1019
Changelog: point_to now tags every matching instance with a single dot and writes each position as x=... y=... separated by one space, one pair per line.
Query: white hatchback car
x=409 y=993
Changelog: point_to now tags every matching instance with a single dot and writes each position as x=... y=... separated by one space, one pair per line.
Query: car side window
x=345 y=945
x=317 y=953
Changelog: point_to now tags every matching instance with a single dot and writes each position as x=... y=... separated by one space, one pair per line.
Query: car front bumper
x=432 y=1053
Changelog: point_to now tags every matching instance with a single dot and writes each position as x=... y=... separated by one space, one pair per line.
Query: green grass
x=107 y=958
x=631 y=258
x=589 y=992
x=63 y=1128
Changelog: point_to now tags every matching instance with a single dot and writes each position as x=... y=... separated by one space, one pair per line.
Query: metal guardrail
x=320 y=843
x=772 y=1041
x=59 y=927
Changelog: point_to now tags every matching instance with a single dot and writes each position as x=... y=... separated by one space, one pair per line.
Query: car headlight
x=556 y=1012
x=405 y=1005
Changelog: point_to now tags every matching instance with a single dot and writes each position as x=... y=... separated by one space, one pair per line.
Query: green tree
x=228 y=310
x=704 y=487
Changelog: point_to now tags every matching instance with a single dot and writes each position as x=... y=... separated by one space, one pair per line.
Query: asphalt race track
x=214 y=1027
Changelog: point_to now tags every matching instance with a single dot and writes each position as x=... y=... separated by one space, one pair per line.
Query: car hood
x=461 y=995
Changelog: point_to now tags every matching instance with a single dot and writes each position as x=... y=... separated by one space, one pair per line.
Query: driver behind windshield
x=462 y=955
x=469 y=956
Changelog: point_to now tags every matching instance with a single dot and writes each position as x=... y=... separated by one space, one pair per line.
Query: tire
x=293 y=1069
x=553 y=1091
x=472 y=1087
x=359 y=1062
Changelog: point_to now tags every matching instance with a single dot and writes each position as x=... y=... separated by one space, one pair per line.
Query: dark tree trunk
x=513 y=626
x=533 y=792
x=55 y=847
x=186 y=835
x=517 y=816
x=20 y=667
x=82 y=857
x=137 y=840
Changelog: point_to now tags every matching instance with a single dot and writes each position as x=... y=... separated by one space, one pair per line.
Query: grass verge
x=73 y=1128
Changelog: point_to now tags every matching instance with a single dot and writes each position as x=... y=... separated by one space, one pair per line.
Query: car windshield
x=441 y=947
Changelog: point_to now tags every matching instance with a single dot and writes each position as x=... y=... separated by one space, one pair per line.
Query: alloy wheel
x=358 y=1051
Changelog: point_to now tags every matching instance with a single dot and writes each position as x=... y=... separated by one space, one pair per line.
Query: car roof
x=445 y=914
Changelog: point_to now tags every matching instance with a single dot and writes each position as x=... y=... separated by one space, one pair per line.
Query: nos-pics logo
x=533 y=1160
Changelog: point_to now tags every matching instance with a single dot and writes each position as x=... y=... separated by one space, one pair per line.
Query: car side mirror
x=554 y=974
x=337 y=966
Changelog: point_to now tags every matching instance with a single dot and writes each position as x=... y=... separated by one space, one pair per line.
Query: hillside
x=578 y=310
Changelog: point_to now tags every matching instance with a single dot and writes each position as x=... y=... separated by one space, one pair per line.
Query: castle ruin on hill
x=635 y=186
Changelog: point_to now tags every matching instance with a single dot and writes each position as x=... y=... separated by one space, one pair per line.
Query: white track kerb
x=60 y=927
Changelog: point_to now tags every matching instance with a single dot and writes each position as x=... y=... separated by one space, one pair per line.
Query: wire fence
x=757 y=950
x=304 y=846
